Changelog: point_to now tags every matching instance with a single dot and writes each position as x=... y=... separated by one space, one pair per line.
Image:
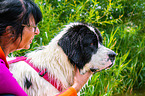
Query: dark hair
x=17 y=12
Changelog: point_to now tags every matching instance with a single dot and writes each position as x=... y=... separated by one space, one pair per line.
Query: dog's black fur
x=79 y=43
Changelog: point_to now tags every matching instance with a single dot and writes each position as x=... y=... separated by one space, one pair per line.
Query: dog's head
x=82 y=44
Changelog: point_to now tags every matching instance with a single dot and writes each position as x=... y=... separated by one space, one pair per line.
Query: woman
x=18 y=26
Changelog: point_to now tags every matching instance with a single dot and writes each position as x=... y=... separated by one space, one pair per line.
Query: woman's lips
x=31 y=41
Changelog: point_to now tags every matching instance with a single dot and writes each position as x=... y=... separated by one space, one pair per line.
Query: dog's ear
x=71 y=43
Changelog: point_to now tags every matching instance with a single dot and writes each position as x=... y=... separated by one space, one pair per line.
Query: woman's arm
x=79 y=81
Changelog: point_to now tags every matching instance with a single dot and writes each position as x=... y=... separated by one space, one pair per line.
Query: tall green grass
x=121 y=23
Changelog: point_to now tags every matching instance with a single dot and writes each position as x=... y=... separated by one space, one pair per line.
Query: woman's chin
x=27 y=47
x=24 y=47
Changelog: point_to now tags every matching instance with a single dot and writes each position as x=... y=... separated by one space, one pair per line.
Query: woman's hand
x=80 y=80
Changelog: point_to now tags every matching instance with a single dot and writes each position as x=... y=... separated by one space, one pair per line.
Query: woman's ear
x=10 y=32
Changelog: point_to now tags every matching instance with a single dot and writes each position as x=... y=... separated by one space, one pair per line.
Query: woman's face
x=28 y=34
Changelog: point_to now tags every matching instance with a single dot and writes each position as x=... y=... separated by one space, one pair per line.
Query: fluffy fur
x=77 y=45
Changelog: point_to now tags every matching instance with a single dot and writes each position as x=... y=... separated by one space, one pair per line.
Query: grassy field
x=122 y=26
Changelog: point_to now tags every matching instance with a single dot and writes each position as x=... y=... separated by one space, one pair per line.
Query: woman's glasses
x=35 y=27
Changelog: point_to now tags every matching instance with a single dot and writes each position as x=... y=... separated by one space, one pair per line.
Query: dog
x=77 y=45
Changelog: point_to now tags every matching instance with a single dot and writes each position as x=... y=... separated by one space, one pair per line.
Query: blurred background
x=122 y=25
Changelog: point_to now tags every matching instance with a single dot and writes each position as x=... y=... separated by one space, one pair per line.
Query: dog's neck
x=56 y=62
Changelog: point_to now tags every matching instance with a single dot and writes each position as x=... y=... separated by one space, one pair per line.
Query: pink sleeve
x=8 y=84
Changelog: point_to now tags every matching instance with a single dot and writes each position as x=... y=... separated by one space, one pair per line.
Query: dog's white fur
x=54 y=59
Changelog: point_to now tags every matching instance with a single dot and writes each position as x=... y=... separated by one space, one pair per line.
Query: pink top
x=8 y=84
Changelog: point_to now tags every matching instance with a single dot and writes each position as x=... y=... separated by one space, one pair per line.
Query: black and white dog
x=77 y=45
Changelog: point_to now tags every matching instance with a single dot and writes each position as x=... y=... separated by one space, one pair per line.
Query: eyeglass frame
x=35 y=27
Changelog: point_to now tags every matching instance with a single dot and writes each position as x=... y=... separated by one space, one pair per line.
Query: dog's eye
x=92 y=44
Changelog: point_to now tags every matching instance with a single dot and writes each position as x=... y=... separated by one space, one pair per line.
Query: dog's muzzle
x=111 y=58
x=94 y=70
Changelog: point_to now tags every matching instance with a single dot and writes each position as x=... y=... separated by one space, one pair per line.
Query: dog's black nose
x=112 y=56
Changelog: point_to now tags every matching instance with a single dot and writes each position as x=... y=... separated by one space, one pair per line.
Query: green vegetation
x=121 y=23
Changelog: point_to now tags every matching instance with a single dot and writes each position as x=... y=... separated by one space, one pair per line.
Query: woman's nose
x=37 y=31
